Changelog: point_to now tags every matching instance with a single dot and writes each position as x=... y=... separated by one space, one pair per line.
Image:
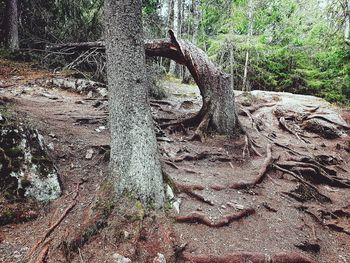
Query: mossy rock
x=26 y=169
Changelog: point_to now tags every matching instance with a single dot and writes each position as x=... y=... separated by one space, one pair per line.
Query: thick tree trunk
x=135 y=166
x=11 y=25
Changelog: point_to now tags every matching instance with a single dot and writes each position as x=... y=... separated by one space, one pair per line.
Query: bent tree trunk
x=134 y=164
x=218 y=113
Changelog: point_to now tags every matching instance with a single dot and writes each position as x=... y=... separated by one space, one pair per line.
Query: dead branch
x=196 y=217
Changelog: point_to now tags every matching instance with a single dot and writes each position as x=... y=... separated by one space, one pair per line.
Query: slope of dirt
x=276 y=220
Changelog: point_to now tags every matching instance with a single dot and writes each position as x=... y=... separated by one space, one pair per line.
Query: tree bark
x=11 y=25
x=135 y=166
x=174 y=69
x=347 y=24
x=218 y=113
x=246 y=85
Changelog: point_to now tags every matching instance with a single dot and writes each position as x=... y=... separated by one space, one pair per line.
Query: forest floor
x=298 y=210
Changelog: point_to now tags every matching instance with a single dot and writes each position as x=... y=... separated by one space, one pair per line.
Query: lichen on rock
x=26 y=169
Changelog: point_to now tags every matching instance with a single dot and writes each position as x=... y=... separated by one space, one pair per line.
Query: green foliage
x=294 y=48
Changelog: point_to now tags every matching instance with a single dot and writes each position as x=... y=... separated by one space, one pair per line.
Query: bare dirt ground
x=224 y=215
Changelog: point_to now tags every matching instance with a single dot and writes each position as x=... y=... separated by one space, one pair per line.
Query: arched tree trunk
x=11 y=25
x=218 y=113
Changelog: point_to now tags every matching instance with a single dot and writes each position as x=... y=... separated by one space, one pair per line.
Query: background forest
x=299 y=46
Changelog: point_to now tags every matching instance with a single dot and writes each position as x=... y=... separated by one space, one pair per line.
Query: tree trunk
x=246 y=85
x=174 y=69
x=347 y=24
x=218 y=113
x=11 y=24
x=135 y=166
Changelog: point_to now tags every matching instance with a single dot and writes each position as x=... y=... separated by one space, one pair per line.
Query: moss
x=7 y=216
x=25 y=182
x=14 y=152
x=105 y=200
x=38 y=159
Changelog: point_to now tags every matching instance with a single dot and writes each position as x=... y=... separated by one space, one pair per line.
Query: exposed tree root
x=170 y=163
x=56 y=223
x=248 y=257
x=252 y=109
x=80 y=239
x=285 y=126
x=315 y=173
x=317 y=195
x=323 y=221
x=190 y=191
x=262 y=172
x=43 y=254
x=196 y=217
x=214 y=156
x=345 y=127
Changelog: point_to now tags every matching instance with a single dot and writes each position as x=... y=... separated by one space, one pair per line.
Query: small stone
x=126 y=235
x=102 y=128
x=239 y=207
x=223 y=207
x=2 y=119
x=159 y=259
x=229 y=204
x=169 y=193
x=120 y=259
x=89 y=95
x=89 y=154
x=52 y=135
x=176 y=205
x=51 y=147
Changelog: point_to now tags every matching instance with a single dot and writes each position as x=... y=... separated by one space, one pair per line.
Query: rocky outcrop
x=26 y=169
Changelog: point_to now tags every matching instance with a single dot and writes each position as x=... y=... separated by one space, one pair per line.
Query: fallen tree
x=218 y=113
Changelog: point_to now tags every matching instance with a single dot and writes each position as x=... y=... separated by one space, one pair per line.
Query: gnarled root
x=196 y=217
x=262 y=172
x=248 y=257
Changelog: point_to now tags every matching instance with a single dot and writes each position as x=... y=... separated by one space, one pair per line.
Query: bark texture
x=218 y=112
x=11 y=25
x=135 y=165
